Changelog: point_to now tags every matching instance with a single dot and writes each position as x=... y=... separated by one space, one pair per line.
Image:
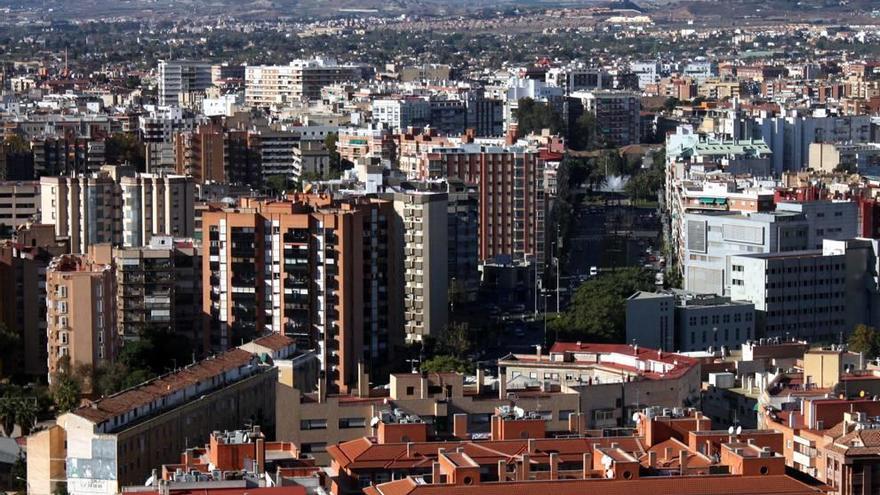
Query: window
x=603 y=415
x=410 y=390
x=313 y=424
x=352 y=422
x=308 y=448
x=563 y=415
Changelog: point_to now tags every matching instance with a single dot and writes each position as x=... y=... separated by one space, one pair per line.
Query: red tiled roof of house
x=660 y=485
x=364 y=453
x=274 y=341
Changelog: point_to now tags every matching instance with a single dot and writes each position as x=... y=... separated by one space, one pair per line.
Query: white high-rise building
x=178 y=77
x=267 y=85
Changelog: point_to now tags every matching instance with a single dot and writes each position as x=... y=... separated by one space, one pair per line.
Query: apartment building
x=158 y=288
x=449 y=405
x=818 y=295
x=268 y=85
x=89 y=209
x=277 y=151
x=355 y=143
x=616 y=114
x=613 y=381
x=510 y=183
x=81 y=313
x=85 y=209
x=200 y=153
x=118 y=440
x=180 y=77
x=156 y=205
x=19 y=203
x=23 y=264
x=321 y=270
x=423 y=220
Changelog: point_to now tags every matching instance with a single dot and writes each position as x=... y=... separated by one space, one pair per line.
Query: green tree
x=865 y=339
x=446 y=363
x=532 y=116
x=597 y=312
x=455 y=340
x=583 y=134
x=125 y=148
x=65 y=392
x=277 y=184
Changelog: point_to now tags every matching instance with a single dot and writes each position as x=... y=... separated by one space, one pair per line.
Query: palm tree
x=26 y=410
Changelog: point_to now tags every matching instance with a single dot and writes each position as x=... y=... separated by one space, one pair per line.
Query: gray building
x=816 y=294
x=178 y=77
x=712 y=237
x=837 y=220
x=679 y=321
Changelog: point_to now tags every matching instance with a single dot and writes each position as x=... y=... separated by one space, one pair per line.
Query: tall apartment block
x=85 y=209
x=80 y=302
x=423 y=220
x=510 y=182
x=617 y=114
x=267 y=85
x=156 y=205
x=23 y=264
x=316 y=269
x=178 y=77
x=89 y=209
x=19 y=202
x=158 y=288
x=201 y=153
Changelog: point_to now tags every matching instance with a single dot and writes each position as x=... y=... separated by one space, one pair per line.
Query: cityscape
x=512 y=247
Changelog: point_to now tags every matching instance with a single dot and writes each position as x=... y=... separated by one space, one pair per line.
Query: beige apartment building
x=423 y=222
x=314 y=421
x=267 y=85
x=156 y=205
x=80 y=303
x=118 y=440
x=19 y=202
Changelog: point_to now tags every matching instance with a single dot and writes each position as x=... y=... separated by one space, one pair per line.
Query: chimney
x=525 y=470
x=481 y=376
x=538 y=349
x=652 y=458
x=502 y=471
x=435 y=473
x=682 y=461
x=460 y=426
x=531 y=445
x=409 y=449
x=261 y=456
x=709 y=448
x=554 y=466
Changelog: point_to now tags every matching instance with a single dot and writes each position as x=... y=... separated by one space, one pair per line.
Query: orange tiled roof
x=661 y=485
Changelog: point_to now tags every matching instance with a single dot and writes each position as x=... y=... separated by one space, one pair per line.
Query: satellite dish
x=606 y=461
x=374 y=422
x=730 y=430
x=635 y=417
x=739 y=430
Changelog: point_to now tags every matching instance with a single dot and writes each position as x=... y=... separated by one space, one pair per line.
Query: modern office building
x=81 y=313
x=834 y=220
x=320 y=270
x=711 y=238
x=678 y=321
x=819 y=295
x=180 y=77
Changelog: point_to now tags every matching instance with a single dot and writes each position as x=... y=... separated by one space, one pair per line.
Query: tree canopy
x=865 y=339
x=598 y=309
x=533 y=116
